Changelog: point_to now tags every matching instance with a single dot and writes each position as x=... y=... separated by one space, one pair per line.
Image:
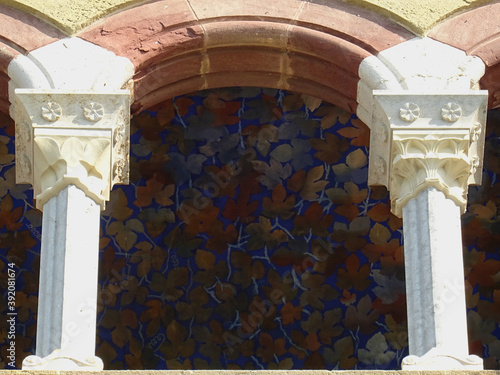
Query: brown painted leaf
x=108 y=354
x=290 y=313
x=219 y=181
x=379 y=234
x=9 y=216
x=148 y=125
x=356 y=159
x=148 y=257
x=397 y=335
x=177 y=343
x=329 y=149
x=223 y=112
x=221 y=238
x=261 y=137
x=157 y=315
x=269 y=348
x=354 y=275
x=361 y=316
x=134 y=360
x=311 y=102
x=326 y=326
x=201 y=220
x=156 y=220
x=183 y=243
x=17 y=244
x=246 y=271
x=331 y=114
x=284 y=364
x=317 y=290
x=380 y=212
x=210 y=270
x=241 y=209
x=281 y=288
x=262 y=234
x=125 y=233
x=313 y=184
x=133 y=291
x=171 y=286
x=182 y=105
x=359 y=133
x=484 y=272
x=154 y=190
x=279 y=204
x=341 y=354
x=314 y=362
x=272 y=174
x=353 y=237
x=292 y=102
x=313 y=219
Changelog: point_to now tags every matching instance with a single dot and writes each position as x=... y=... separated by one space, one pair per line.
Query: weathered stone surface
x=479 y=32
x=192 y=84
x=368 y=29
x=480 y=36
x=149 y=33
x=70 y=16
x=334 y=76
x=419 y=16
x=278 y=9
x=328 y=47
x=168 y=73
x=24 y=31
x=249 y=32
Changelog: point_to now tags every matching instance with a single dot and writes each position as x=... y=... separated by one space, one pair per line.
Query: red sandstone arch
x=20 y=33
x=477 y=32
x=312 y=47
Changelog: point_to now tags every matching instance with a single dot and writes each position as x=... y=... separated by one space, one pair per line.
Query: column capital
x=72 y=138
x=422 y=140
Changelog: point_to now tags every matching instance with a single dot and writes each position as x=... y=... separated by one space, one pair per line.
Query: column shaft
x=69 y=260
x=434 y=275
x=68 y=282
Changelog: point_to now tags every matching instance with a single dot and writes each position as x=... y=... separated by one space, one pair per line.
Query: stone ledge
x=252 y=372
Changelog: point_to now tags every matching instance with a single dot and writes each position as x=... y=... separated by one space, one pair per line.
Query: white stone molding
x=435 y=360
x=70 y=63
x=427 y=122
x=59 y=361
x=72 y=138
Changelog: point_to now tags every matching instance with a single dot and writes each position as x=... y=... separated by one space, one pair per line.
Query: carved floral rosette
x=435 y=140
x=79 y=138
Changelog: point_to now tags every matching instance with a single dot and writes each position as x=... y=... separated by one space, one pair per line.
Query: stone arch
x=479 y=36
x=314 y=47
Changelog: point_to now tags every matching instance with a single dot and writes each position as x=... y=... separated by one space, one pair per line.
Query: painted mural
x=249 y=239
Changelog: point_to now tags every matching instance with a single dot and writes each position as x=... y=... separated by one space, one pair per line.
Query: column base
x=435 y=359
x=57 y=360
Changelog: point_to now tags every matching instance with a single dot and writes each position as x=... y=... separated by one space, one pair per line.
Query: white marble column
x=68 y=282
x=435 y=144
x=435 y=294
x=72 y=146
